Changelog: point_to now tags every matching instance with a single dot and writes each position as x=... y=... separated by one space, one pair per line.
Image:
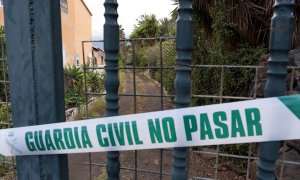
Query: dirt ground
x=148 y=162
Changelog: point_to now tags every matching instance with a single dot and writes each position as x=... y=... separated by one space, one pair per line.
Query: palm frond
x=251 y=18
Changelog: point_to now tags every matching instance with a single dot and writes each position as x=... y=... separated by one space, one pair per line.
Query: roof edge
x=86 y=8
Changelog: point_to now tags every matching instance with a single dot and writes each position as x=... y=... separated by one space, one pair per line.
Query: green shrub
x=95 y=81
x=216 y=50
x=5 y=115
x=169 y=56
x=73 y=77
x=73 y=98
x=236 y=149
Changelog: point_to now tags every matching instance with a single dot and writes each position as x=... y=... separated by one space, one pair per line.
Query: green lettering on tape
x=169 y=129
x=221 y=132
x=205 y=128
x=29 y=143
x=253 y=121
x=237 y=124
x=190 y=126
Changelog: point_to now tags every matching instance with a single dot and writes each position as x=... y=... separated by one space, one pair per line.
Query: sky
x=129 y=11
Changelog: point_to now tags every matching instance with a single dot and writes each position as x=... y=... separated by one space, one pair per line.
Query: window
x=64 y=6
x=95 y=62
x=1 y=3
x=77 y=62
x=102 y=60
x=90 y=61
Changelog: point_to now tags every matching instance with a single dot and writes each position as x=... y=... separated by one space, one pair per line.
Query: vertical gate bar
x=249 y=161
x=134 y=77
x=111 y=48
x=134 y=103
x=184 y=47
x=292 y=80
x=222 y=84
x=161 y=75
x=86 y=101
x=283 y=159
x=85 y=83
x=281 y=35
x=35 y=66
x=221 y=101
x=255 y=82
x=161 y=101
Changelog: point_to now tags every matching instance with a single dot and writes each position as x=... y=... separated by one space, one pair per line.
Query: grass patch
x=122 y=78
x=95 y=110
x=7 y=170
x=140 y=89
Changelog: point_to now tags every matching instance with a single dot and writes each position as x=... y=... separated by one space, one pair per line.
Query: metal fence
x=201 y=163
x=204 y=162
x=212 y=162
x=7 y=165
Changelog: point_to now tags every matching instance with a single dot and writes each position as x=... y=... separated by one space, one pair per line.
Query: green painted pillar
x=184 y=47
x=33 y=36
x=111 y=48
x=281 y=35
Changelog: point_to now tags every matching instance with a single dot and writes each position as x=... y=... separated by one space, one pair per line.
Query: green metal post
x=111 y=48
x=281 y=35
x=33 y=35
x=184 y=47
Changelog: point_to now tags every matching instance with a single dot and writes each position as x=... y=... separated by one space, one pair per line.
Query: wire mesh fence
x=7 y=164
x=146 y=84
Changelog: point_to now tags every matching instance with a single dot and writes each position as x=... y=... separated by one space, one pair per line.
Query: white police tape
x=268 y=119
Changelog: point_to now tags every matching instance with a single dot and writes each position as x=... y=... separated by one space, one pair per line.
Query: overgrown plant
x=5 y=116
x=3 y=66
x=95 y=81
x=217 y=50
x=168 y=75
x=73 y=77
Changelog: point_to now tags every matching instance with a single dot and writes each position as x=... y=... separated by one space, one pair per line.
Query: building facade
x=76 y=20
x=98 y=59
x=76 y=24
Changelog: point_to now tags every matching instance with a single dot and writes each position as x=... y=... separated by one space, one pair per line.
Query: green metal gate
x=33 y=36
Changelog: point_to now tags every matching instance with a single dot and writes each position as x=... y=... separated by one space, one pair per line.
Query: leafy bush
x=169 y=56
x=147 y=26
x=73 y=98
x=3 y=65
x=152 y=57
x=5 y=115
x=95 y=81
x=73 y=77
x=216 y=50
x=236 y=149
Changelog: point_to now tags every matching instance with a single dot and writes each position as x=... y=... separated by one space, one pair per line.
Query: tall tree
x=166 y=27
x=147 y=26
